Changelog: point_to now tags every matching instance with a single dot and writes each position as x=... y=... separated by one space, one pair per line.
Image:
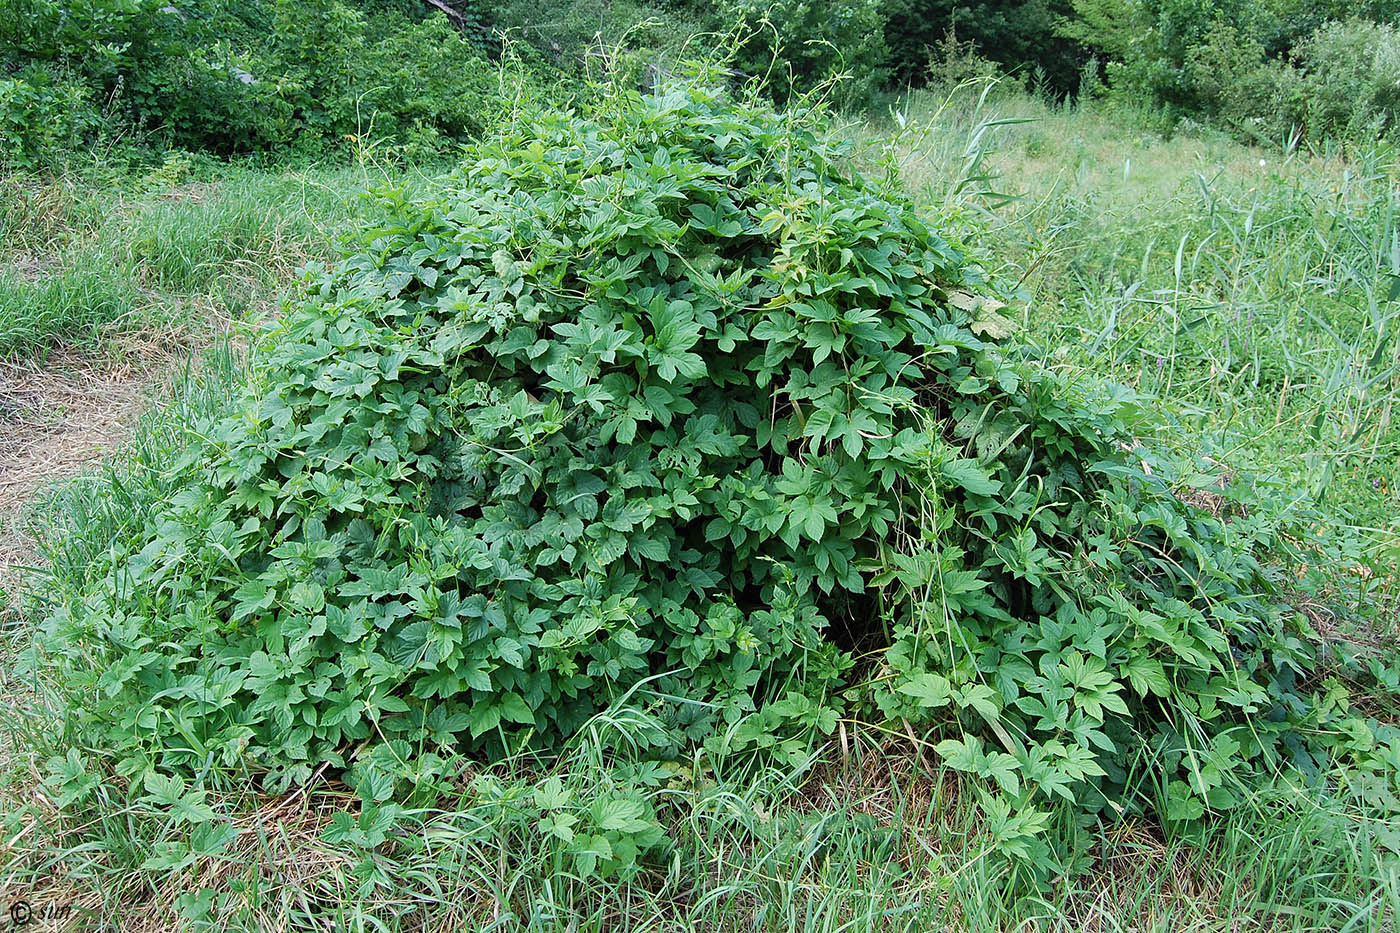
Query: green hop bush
x=671 y=407
x=608 y=413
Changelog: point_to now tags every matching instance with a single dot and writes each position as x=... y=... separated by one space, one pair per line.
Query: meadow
x=1247 y=294
x=1251 y=291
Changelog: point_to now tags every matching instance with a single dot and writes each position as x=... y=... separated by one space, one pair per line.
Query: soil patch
x=57 y=417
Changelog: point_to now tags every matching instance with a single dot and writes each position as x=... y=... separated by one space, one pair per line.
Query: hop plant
x=671 y=404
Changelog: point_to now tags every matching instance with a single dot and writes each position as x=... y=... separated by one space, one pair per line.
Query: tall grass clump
x=667 y=418
x=91 y=259
x=1254 y=295
x=74 y=304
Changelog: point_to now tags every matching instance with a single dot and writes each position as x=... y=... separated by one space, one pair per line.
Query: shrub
x=953 y=62
x=40 y=118
x=1338 y=84
x=144 y=59
x=239 y=78
x=581 y=36
x=427 y=86
x=1262 y=69
x=332 y=75
x=670 y=408
x=1351 y=79
x=796 y=45
x=1015 y=35
x=1234 y=83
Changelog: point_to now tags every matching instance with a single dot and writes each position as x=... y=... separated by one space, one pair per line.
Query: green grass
x=870 y=843
x=1252 y=292
x=1266 y=293
x=88 y=261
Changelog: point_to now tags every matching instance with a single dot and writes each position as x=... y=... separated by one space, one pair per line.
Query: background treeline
x=239 y=76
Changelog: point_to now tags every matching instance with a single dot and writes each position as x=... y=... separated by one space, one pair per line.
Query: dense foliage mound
x=672 y=408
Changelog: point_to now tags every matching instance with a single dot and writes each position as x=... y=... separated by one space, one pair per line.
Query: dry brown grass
x=58 y=417
x=278 y=850
x=55 y=419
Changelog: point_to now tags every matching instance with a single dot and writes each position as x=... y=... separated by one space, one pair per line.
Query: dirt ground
x=56 y=417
